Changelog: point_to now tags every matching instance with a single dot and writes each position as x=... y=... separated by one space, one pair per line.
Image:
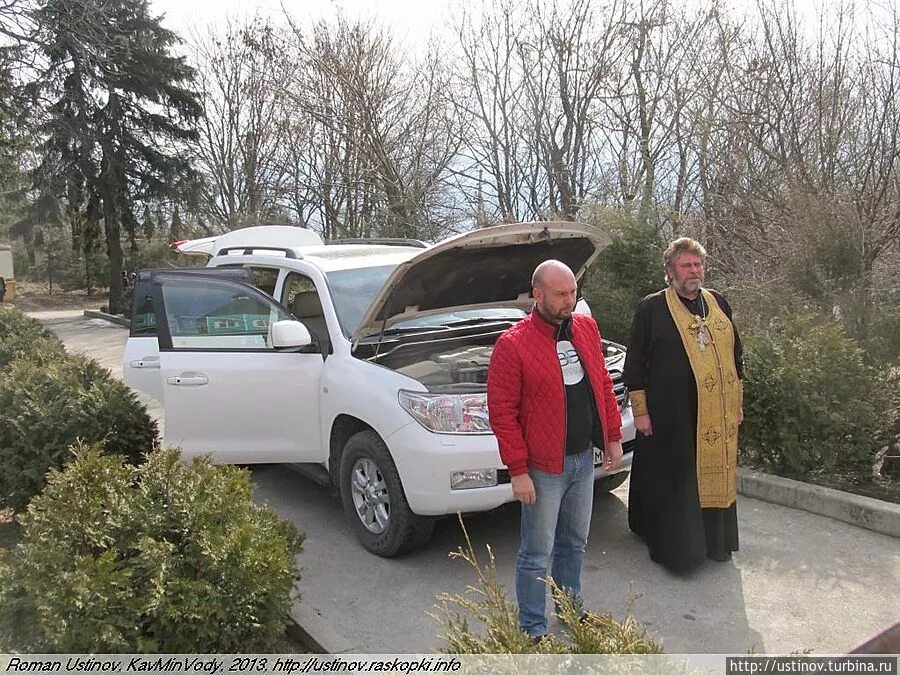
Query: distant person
x=551 y=403
x=124 y=279
x=683 y=371
x=2 y=290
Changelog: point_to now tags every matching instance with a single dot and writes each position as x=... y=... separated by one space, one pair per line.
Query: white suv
x=365 y=364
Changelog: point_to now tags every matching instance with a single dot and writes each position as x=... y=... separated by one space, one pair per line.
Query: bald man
x=551 y=402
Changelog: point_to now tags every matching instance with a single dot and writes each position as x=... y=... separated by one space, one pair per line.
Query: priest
x=683 y=371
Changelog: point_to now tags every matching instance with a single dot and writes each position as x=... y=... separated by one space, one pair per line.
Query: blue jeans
x=555 y=526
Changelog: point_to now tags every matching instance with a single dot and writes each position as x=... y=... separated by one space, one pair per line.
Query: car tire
x=610 y=483
x=374 y=501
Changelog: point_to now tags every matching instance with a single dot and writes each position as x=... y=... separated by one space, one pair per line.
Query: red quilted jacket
x=527 y=397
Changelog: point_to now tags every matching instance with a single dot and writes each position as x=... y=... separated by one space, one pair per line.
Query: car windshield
x=353 y=291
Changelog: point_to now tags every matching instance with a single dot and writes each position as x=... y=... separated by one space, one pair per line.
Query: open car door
x=140 y=365
x=228 y=388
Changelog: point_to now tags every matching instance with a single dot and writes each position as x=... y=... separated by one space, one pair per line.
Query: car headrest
x=306 y=304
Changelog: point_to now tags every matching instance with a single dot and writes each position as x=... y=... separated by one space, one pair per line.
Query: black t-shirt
x=581 y=415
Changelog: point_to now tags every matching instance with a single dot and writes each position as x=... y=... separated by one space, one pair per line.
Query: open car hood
x=489 y=267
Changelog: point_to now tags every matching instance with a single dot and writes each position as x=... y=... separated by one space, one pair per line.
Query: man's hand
x=613 y=455
x=642 y=424
x=523 y=488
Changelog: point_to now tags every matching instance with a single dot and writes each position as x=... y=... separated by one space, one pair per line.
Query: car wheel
x=611 y=482
x=373 y=499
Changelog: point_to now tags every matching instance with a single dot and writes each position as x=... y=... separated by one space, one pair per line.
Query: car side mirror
x=290 y=334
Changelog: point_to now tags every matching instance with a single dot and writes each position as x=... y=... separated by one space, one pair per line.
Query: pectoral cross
x=700 y=334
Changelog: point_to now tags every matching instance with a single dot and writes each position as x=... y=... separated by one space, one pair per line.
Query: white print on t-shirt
x=570 y=363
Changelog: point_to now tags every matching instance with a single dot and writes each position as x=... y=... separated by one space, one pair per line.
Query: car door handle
x=188 y=380
x=146 y=362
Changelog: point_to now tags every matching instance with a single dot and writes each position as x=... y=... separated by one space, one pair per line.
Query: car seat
x=307 y=307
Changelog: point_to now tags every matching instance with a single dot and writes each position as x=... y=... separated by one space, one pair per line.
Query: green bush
x=67 y=269
x=47 y=402
x=624 y=272
x=811 y=403
x=883 y=339
x=20 y=334
x=160 y=557
x=486 y=605
x=77 y=272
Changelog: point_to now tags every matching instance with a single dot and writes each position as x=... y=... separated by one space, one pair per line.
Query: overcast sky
x=409 y=21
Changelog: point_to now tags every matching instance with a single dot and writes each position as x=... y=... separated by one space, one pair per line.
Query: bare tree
x=651 y=120
x=243 y=77
x=818 y=125
x=532 y=77
x=566 y=63
x=380 y=132
x=494 y=160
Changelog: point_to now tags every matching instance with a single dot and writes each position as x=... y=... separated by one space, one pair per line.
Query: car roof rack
x=241 y=273
x=386 y=241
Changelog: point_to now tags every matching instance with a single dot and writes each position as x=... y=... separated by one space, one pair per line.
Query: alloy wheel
x=370 y=496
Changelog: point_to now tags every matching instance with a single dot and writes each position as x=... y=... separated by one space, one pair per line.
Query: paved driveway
x=800 y=581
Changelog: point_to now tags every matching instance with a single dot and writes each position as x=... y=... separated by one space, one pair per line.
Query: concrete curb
x=96 y=314
x=866 y=512
x=318 y=634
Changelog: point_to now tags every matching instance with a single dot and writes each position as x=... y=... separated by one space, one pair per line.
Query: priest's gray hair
x=679 y=246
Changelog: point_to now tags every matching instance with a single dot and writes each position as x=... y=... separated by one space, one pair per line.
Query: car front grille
x=619 y=388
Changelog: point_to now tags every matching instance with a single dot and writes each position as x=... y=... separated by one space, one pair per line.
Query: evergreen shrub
x=159 y=557
x=812 y=404
x=20 y=334
x=624 y=272
x=48 y=400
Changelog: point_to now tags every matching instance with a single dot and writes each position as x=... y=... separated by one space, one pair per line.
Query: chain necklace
x=700 y=327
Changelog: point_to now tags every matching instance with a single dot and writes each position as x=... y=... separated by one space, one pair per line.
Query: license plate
x=598 y=456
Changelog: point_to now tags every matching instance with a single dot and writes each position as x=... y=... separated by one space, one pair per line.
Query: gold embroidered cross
x=712 y=435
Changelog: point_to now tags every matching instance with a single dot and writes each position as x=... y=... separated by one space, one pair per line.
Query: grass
x=483 y=621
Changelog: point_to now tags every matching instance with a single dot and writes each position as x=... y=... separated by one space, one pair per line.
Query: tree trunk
x=114 y=252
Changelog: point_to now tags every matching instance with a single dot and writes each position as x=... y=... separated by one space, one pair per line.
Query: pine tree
x=122 y=107
x=176 y=230
x=148 y=225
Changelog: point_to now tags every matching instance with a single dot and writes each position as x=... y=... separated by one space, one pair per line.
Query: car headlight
x=448 y=413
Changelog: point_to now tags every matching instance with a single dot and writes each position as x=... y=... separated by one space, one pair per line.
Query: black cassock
x=663 y=499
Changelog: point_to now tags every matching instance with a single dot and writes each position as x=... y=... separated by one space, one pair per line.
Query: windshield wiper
x=396 y=330
x=401 y=329
x=484 y=319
